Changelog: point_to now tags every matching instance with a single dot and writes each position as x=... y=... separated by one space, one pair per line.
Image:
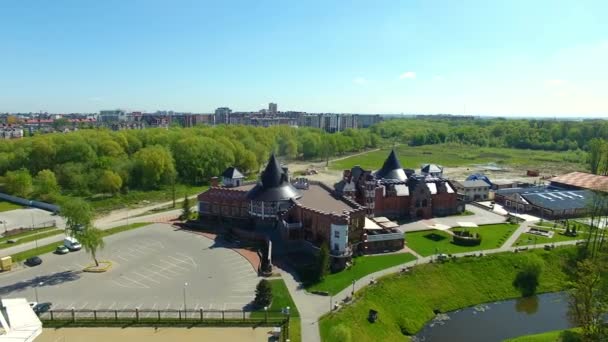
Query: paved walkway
x=312 y=307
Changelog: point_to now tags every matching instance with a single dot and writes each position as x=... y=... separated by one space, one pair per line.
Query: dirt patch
x=155 y=335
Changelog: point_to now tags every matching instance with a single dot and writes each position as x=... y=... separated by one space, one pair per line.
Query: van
x=72 y=244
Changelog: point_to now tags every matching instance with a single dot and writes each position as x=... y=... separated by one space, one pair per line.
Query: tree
x=597 y=149
x=526 y=279
x=186 y=210
x=18 y=183
x=588 y=302
x=154 y=166
x=46 y=186
x=77 y=214
x=91 y=239
x=322 y=262
x=109 y=182
x=263 y=294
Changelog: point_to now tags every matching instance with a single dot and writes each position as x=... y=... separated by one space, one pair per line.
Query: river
x=498 y=321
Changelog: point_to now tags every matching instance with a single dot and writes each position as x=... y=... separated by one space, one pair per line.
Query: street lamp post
x=353 y=292
x=185 y=314
x=36 y=291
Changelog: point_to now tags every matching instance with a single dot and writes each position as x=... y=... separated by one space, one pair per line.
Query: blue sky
x=506 y=57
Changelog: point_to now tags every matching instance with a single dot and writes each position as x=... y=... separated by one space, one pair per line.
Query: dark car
x=42 y=307
x=33 y=261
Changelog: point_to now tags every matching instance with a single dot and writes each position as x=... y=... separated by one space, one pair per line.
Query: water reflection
x=528 y=305
x=499 y=321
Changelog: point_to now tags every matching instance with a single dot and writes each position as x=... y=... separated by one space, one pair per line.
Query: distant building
x=581 y=180
x=222 y=115
x=432 y=170
x=116 y=115
x=272 y=108
x=367 y=120
x=472 y=190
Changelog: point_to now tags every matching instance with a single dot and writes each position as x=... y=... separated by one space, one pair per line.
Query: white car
x=72 y=244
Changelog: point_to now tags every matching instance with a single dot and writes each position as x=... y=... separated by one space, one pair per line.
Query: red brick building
x=395 y=192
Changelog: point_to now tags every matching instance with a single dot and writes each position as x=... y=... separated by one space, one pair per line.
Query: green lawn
x=26 y=233
x=281 y=299
x=51 y=246
x=7 y=206
x=569 y=335
x=364 y=265
x=136 y=198
x=431 y=242
x=461 y=155
x=405 y=302
x=531 y=239
x=31 y=237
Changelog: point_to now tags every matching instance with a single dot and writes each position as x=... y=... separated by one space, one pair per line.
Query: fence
x=172 y=317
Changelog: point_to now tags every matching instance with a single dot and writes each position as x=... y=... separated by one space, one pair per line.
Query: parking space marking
x=159 y=274
x=121 y=257
x=147 y=277
x=165 y=269
x=111 y=306
x=171 y=265
x=125 y=307
x=193 y=263
x=190 y=263
x=84 y=306
x=97 y=306
x=168 y=306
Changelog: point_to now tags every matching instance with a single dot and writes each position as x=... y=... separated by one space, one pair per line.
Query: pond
x=500 y=320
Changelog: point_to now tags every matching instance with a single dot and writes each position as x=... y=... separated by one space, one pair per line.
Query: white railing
x=384 y=237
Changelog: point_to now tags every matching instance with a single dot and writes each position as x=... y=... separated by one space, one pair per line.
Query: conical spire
x=391 y=169
x=272 y=173
x=274 y=185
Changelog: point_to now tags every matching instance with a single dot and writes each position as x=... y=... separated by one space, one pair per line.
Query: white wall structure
x=19 y=322
x=338 y=238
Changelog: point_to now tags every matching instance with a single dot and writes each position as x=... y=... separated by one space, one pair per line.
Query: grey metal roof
x=391 y=169
x=232 y=173
x=559 y=200
x=274 y=185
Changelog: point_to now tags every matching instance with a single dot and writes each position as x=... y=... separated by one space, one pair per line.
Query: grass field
x=336 y=282
x=26 y=233
x=405 y=302
x=136 y=197
x=51 y=246
x=531 y=239
x=462 y=155
x=431 y=242
x=31 y=237
x=281 y=299
x=570 y=335
x=7 y=206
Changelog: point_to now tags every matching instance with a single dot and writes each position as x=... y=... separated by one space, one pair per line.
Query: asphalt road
x=150 y=267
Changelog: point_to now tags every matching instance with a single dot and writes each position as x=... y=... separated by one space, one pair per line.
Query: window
x=337 y=234
x=424 y=203
x=336 y=247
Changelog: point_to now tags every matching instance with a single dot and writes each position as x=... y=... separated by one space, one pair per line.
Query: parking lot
x=154 y=267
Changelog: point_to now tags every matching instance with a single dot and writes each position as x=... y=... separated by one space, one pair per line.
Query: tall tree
x=323 y=262
x=263 y=294
x=46 y=186
x=154 y=166
x=19 y=183
x=588 y=302
x=597 y=150
x=77 y=214
x=91 y=239
x=109 y=182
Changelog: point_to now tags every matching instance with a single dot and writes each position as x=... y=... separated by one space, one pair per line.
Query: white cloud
x=556 y=82
x=407 y=74
x=360 y=81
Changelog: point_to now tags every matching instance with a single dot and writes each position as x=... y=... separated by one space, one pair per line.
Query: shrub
x=263 y=294
x=526 y=279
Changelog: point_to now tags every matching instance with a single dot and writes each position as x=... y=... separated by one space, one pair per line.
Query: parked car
x=33 y=261
x=11 y=241
x=61 y=249
x=42 y=307
x=72 y=244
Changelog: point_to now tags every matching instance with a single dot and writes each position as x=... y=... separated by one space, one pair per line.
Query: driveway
x=151 y=266
x=479 y=217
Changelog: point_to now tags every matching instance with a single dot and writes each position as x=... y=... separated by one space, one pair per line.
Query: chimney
x=214 y=181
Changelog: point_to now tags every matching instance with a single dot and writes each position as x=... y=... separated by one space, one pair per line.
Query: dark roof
x=391 y=169
x=479 y=176
x=232 y=173
x=559 y=200
x=428 y=168
x=274 y=185
x=317 y=197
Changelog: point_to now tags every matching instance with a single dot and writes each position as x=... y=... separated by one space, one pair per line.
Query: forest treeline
x=95 y=161
x=550 y=135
